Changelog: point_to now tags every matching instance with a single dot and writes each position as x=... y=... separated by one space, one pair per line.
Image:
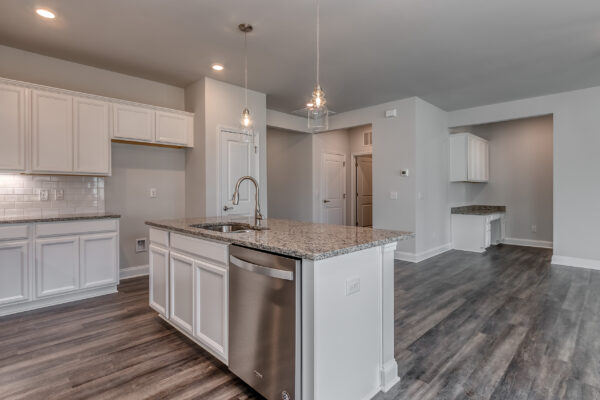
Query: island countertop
x=292 y=238
x=478 y=210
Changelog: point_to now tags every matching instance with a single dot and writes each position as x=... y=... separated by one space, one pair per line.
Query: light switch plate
x=394 y=195
x=153 y=193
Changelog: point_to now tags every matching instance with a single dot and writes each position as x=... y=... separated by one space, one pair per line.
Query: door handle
x=225 y=208
x=326 y=201
x=259 y=269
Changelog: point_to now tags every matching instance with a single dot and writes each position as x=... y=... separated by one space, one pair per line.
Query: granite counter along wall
x=20 y=195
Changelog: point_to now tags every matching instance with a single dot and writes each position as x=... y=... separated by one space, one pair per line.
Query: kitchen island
x=345 y=324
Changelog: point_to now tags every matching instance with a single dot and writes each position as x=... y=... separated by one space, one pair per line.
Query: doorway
x=333 y=188
x=363 y=184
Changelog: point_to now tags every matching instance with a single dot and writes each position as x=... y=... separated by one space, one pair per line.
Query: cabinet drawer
x=203 y=248
x=75 y=227
x=14 y=232
x=159 y=237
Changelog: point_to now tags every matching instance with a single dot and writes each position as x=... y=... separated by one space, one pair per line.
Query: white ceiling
x=452 y=53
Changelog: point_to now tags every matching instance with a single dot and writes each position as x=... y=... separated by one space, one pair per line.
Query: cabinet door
x=12 y=128
x=486 y=161
x=92 y=136
x=159 y=279
x=57 y=265
x=98 y=260
x=133 y=123
x=211 y=307
x=171 y=128
x=52 y=132
x=14 y=272
x=181 y=290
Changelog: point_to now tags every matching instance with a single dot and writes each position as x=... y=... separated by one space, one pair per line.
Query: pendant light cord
x=246 y=68
x=318 y=49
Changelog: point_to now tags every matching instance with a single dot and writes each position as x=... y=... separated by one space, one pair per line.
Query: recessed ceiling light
x=42 y=12
x=217 y=67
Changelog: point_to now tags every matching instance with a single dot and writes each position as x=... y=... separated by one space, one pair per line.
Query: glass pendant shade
x=318 y=115
x=246 y=121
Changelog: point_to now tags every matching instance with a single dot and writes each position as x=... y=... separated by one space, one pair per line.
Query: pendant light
x=246 y=119
x=318 y=115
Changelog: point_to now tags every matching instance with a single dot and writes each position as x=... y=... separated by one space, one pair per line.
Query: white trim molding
x=528 y=242
x=134 y=272
x=576 y=262
x=422 y=256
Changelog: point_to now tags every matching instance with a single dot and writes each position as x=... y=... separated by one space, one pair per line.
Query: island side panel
x=346 y=328
x=389 y=367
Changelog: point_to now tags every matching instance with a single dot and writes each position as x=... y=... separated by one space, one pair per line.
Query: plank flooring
x=500 y=325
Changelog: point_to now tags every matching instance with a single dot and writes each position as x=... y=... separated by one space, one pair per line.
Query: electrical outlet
x=140 y=245
x=352 y=286
x=153 y=193
x=394 y=195
x=534 y=228
x=44 y=194
x=60 y=194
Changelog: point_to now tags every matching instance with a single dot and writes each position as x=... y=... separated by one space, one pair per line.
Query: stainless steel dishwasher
x=264 y=322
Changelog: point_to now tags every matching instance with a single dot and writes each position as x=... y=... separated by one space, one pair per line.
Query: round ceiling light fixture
x=42 y=12
x=217 y=67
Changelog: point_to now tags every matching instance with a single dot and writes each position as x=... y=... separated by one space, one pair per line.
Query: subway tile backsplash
x=20 y=195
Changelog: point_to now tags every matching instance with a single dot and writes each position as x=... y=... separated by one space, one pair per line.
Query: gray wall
x=136 y=169
x=31 y=67
x=520 y=175
x=576 y=141
x=289 y=173
x=218 y=104
x=433 y=215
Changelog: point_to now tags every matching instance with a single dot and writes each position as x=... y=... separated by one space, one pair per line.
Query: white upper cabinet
x=12 y=128
x=48 y=130
x=133 y=123
x=172 y=128
x=91 y=136
x=52 y=132
x=469 y=158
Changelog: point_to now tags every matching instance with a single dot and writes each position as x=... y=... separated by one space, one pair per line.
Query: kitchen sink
x=227 y=228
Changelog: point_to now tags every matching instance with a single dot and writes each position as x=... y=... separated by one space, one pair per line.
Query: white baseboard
x=422 y=256
x=576 y=262
x=528 y=242
x=133 y=272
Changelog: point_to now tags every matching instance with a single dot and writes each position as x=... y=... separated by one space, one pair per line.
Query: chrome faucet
x=236 y=197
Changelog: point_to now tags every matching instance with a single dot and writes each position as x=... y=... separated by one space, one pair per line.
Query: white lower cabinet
x=14 y=272
x=210 y=304
x=47 y=263
x=159 y=279
x=190 y=280
x=181 y=290
x=57 y=265
x=98 y=259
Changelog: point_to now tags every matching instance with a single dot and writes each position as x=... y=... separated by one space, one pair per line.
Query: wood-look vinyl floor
x=500 y=325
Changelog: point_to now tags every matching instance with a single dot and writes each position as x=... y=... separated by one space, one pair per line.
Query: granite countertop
x=292 y=238
x=478 y=210
x=57 y=218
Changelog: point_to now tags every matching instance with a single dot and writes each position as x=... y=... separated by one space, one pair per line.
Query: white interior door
x=333 y=188
x=364 y=190
x=238 y=158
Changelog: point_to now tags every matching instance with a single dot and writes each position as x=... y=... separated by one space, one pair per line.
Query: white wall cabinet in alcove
x=469 y=158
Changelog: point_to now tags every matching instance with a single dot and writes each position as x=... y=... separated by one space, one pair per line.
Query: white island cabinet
x=345 y=329
x=188 y=287
x=46 y=263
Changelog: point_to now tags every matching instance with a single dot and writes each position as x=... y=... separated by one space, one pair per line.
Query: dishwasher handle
x=259 y=269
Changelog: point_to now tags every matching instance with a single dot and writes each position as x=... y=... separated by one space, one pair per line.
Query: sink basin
x=226 y=228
